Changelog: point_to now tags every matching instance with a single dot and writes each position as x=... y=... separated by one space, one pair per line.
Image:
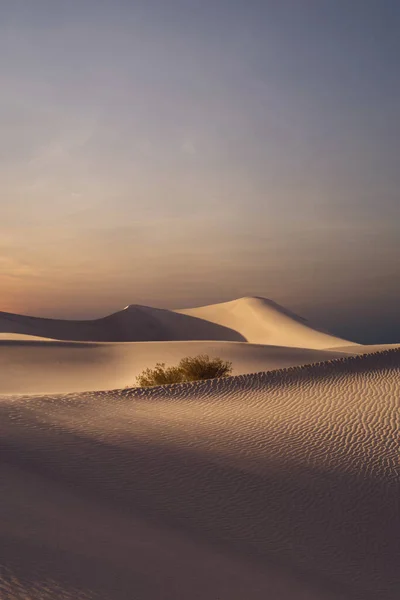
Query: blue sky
x=186 y=152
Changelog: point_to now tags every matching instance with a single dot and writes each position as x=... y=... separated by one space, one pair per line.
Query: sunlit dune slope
x=255 y=320
x=275 y=485
x=37 y=366
x=40 y=355
x=262 y=321
x=134 y=323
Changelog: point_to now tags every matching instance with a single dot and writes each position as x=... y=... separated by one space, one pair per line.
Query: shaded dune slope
x=135 y=323
x=273 y=485
x=253 y=320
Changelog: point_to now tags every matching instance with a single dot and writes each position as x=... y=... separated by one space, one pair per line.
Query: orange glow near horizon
x=177 y=157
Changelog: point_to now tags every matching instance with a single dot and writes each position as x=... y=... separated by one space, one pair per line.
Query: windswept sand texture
x=274 y=485
x=280 y=484
x=41 y=356
x=41 y=367
x=54 y=356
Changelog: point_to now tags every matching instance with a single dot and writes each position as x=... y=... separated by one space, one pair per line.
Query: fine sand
x=60 y=356
x=262 y=321
x=255 y=320
x=281 y=484
x=275 y=485
x=43 y=367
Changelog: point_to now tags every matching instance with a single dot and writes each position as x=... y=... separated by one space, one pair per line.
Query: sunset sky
x=185 y=152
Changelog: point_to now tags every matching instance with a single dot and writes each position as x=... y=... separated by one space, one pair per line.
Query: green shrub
x=159 y=376
x=189 y=369
x=203 y=367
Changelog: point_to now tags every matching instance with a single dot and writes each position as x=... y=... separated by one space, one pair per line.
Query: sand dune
x=275 y=485
x=262 y=321
x=280 y=484
x=37 y=366
x=134 y=323
x=255 y=320
x=59 y=356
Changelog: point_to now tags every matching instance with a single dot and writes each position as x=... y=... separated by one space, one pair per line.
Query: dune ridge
x=389 y=357
x=37 y=365
x=263 y=321
x=281 y=481
x=255 y=320
x=40 y=355
x=282 y=484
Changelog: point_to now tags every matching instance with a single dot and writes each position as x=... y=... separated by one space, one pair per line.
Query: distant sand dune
x=274 y=485
x=59 y=356
x=134 y=323
x=262 y=321
x=255 y=320
x=280 y=484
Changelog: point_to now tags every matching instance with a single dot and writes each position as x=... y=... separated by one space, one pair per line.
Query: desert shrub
x=189 y=369
x=203 y=367
x=160 y=375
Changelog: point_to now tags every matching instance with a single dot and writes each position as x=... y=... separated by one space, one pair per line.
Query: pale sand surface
x=43 y=367
x=59 y=356
x=275 y=485
x=262 y=321
x=21 y=337
x=255 y=320
x=280 y=484
x=366 y=349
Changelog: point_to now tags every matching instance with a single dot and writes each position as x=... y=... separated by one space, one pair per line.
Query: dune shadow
x=330 y=530
x=137 y=324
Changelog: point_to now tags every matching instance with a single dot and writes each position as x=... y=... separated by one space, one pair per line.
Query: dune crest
x=272 y=485
x=40 y=355
x=262 y=321
x=38 y=366
x=255 y=320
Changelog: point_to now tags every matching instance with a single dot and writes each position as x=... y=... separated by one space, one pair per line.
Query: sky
x=185 y=152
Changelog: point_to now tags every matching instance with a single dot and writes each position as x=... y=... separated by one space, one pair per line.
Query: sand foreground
x=276 y=485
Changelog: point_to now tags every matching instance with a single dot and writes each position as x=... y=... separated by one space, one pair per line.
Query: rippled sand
x=275 y=485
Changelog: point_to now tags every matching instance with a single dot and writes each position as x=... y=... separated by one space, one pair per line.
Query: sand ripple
x=282 y=484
